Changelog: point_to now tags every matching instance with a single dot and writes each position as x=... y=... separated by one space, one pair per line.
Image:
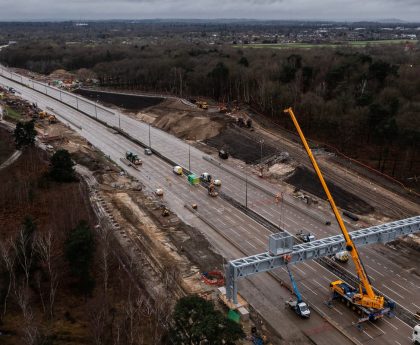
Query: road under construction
x=243 y=222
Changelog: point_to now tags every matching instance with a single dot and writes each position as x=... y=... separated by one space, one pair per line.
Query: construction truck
x=133 y=158
x=43 y=115
x=52 y=119
x=211 y=189
x=205 y=177
x=298 y=305
x=305 y=237
x=202 y=105
x=416 y=335
x=363 y=299
x=342 y=256
x=223 y=154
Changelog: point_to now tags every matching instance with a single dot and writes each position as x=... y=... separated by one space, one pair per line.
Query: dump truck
x=133 y=158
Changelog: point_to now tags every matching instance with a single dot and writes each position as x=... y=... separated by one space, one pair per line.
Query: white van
x=416 y=335
x=177 y=170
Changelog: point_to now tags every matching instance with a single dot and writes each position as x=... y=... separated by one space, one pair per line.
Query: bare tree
x=8 y=255
x=45 y=251
x=24 y=247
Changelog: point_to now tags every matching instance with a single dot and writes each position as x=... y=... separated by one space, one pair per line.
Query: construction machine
x=52 y=119
x=202 y=105
x=133 y=158
x=305 y=237
x=364 y=299
x=211 y=189
x=298 y=305
x=43 y=115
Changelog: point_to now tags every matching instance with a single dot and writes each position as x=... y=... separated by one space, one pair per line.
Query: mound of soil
x=242 y=144
x=130 y=102
x=188 y=126
x=306 y=180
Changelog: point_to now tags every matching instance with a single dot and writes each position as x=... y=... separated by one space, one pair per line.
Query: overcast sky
x=257 y=9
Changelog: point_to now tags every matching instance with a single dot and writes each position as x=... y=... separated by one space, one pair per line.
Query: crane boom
x=294 y=285
x=366 y=296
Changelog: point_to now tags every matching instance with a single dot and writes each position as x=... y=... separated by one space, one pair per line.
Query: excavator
x=364 y=299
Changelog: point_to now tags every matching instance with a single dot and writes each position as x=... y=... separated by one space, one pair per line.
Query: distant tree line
x=365 y=101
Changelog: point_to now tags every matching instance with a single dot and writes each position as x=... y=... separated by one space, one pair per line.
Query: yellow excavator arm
x=366 y=296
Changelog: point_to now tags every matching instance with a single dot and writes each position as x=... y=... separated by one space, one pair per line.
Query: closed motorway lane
x=247 y=235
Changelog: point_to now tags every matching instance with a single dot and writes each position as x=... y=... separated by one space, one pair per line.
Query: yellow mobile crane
x=365 y=299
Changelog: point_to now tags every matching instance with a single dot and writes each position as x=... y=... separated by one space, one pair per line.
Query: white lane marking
x=367 y=334
x=309 y=289
x=337 y=311
x=392 y=291
x=251 y=245
x=402 y=287
x=398 y=343
x=303 y=272
x=389 y=323
x=416 y=305
x=257 y=239
x=403 y=322
x=377 y=327
x=370 y=267
x=320 y=284
x=313 y=269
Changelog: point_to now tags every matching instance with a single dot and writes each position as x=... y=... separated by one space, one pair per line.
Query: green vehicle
x=133 y=158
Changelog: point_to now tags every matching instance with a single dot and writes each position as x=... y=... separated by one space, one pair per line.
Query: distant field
x=325 y=45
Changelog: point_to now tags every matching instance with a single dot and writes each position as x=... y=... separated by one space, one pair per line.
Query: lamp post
x=150 y=143
x=189 y=157
x=261 y=143
x=246 y=190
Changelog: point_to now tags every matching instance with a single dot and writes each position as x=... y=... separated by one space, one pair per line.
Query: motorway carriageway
x=247 y=235
x=292 y=215
x=393 y=280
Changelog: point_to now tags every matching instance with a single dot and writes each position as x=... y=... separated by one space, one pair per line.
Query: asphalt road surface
x=246 y=235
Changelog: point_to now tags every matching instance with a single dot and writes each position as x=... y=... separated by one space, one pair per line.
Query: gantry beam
x=281 y=244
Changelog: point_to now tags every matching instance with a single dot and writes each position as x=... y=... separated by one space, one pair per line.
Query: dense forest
x=364 y=101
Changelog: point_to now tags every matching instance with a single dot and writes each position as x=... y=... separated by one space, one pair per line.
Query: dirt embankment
x=242 y=144
x=126 y=101
x=304 y=179
x=185 y=122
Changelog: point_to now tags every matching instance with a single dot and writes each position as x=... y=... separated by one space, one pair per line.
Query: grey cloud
x=258 y=9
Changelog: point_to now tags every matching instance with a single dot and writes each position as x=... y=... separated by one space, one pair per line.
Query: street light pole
x=77 y=103
x=189 y=157
x=119 y=120
x=150 y=143
x=261 y=142
x=246 y=190
x=96 y=111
